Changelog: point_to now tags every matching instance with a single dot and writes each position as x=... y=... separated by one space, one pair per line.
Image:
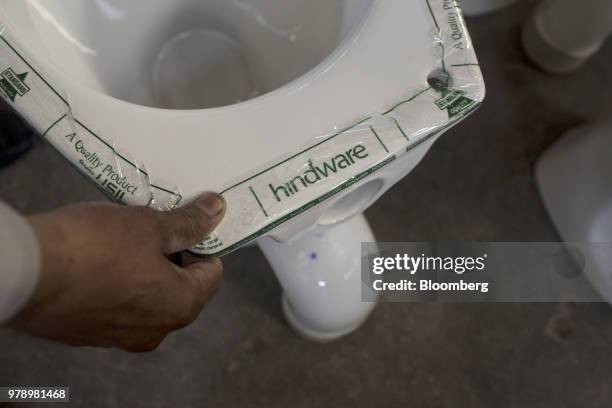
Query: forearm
x=19 y=262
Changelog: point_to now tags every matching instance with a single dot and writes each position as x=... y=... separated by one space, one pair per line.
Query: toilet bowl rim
x=308 y=77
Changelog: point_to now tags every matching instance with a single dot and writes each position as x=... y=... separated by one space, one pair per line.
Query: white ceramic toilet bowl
x=557 y=39
x=575 y=180
x=158 y=101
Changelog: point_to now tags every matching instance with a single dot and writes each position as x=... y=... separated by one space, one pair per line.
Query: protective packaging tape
x=274 y=194
x=49 y=113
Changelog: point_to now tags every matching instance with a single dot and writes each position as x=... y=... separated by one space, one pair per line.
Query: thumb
x=187 y=226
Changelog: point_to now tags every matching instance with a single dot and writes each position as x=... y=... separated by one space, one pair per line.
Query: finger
x=188 y=258
x=200 y=281
x=205 y=277
x=186 y=292
x=187 y=226
x=146 y=346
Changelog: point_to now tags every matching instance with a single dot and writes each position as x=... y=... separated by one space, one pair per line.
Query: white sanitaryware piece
x=158 y=101
x=302 y=269
x=562 y=35
x=474 y=8
x=575 y=180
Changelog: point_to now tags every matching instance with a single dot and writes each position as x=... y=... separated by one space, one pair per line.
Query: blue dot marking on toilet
x=313 y=256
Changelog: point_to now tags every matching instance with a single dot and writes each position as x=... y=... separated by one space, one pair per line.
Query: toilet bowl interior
x=185 y=54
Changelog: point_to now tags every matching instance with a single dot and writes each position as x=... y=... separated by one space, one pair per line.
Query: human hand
x=110 y=276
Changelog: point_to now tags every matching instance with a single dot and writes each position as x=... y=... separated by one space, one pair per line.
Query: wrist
x=54 y=259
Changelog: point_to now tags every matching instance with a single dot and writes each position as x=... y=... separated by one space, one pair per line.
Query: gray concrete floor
x=476 y=184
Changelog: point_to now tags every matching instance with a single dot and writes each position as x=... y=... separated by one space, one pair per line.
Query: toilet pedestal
x=321 y=279
x=562 y=35
x=575 y=179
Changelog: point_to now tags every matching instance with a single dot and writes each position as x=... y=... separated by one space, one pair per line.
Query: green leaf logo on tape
x=13 y=84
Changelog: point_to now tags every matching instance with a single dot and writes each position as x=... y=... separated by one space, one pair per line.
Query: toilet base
x=312 y=334
x=562 y=35
x=321 y=279
x=546 y=56
x=575 y=180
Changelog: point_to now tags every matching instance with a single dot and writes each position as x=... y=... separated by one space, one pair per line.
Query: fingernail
x=211 y=204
